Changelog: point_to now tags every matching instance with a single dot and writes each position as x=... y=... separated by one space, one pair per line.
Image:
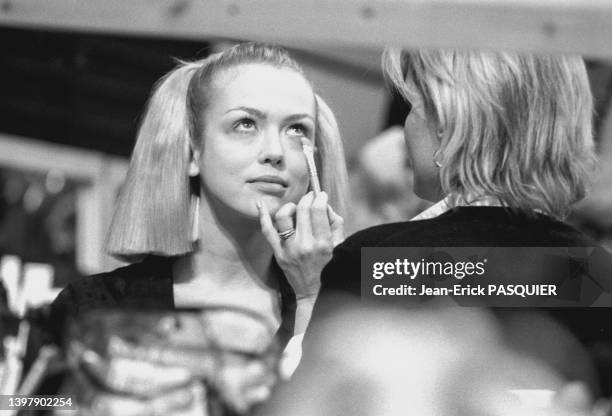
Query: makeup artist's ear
x=194 y=162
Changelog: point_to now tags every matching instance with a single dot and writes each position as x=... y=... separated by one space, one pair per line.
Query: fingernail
x=259 y=205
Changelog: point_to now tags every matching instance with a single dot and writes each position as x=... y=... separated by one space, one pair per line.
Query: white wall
x=360 y=107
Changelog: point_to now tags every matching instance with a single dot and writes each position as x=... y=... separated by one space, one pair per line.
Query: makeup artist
x=219 y=208
x=502 y=143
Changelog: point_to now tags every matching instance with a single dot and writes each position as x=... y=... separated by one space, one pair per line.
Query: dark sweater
x=472 y=227
x=461 y=227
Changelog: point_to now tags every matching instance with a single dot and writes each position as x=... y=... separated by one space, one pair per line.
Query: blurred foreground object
x=21 y=287
x=198 y=362
x=366 y=361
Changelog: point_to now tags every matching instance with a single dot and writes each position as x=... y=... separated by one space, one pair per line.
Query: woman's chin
x=272 y=203
x=249 y=210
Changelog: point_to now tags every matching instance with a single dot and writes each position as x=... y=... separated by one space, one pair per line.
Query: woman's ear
x=194 y=162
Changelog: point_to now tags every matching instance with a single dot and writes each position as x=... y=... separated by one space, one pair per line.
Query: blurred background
x=70 y=104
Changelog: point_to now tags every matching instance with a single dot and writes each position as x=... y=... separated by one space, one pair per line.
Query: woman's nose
x=272 y=149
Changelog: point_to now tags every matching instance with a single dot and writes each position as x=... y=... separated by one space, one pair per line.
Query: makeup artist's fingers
x=268 y=229
x=303 y=226
x=337 y=226
x=283 y=218
x=320 y=222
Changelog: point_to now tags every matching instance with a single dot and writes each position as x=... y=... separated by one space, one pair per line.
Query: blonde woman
x=501 y=142
x=218 y=152
x=217 y=208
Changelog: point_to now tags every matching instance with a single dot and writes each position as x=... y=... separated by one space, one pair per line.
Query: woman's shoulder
x=138 y=280
x=139 y=284
x=99 y=288
x=473 y=226
x=343 y=271
x=391 y=233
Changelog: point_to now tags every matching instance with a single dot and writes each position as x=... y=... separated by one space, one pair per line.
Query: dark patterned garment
x=144 y=285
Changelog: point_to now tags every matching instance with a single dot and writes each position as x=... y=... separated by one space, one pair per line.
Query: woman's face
x=253 y=125
x=422 y=143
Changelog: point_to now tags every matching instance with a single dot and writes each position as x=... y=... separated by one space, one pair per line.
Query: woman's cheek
x=304 y=181
x=299 y=188
x=298 y=170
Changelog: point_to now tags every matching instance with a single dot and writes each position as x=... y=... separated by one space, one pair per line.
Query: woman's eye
x=298 y=130
x=244 y=125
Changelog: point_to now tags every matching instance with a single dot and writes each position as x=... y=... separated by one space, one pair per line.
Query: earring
x=436 y=158
x=194 y=168
x=438 y=154
x=195 y=218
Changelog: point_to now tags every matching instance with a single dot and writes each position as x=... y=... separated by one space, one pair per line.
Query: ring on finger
x=284 y=235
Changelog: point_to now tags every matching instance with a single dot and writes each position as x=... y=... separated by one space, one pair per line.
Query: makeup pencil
x=308 y=149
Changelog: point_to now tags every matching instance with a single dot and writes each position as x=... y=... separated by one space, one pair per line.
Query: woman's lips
x=270 y=184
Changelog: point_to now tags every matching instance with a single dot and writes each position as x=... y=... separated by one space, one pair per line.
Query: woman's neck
x=230 y=247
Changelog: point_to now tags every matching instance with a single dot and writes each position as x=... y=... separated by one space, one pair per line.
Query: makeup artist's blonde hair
x=153 y=213
x=514 y=126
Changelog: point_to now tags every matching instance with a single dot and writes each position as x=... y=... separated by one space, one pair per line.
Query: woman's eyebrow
x=250 y=110
x=300 y=117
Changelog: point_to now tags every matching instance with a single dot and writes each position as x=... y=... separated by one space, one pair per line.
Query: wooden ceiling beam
x=579 y=26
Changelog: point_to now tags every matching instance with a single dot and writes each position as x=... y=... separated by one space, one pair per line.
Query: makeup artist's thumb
x=336 y=223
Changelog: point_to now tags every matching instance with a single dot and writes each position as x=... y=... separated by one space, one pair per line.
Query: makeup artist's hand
x=302 y=256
